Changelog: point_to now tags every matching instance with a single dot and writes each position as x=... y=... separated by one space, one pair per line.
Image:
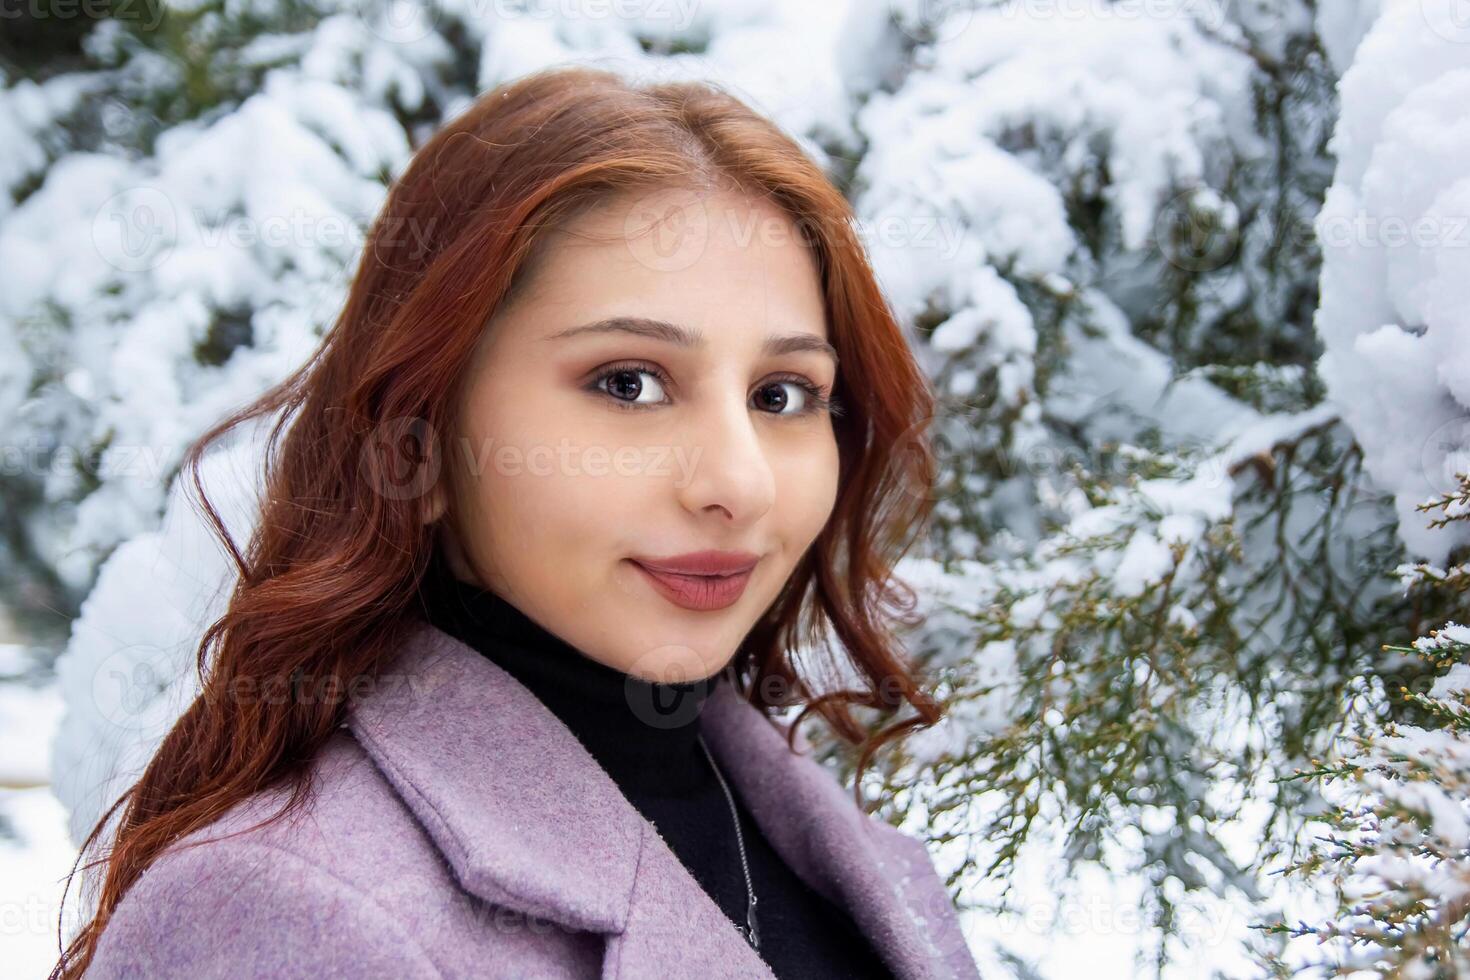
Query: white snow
x=1394 y=316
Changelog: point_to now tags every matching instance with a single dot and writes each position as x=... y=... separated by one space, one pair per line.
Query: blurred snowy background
x=1193 y=277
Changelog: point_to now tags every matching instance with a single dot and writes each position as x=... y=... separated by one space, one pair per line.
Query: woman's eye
x=772 y=397
x=632 y=386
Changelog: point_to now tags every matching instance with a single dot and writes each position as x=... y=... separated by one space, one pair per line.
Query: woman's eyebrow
x=673 y=333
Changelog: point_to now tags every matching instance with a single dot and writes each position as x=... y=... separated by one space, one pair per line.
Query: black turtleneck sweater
x=663 y=772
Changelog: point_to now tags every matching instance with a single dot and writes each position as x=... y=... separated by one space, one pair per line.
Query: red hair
x=331 y=571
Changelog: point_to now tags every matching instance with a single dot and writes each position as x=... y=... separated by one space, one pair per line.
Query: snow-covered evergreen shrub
x=1147 y=500
x=1397 y=846
x=1395 y=323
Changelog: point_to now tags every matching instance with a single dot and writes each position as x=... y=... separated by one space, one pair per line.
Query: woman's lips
x=698 y=592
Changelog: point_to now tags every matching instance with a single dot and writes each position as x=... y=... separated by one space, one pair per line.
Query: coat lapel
x=881 y=876
x=527 y=819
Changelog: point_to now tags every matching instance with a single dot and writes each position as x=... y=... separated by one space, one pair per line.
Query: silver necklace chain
x=748 y=930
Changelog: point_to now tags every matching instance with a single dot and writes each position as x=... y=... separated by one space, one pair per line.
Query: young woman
x=614 y=433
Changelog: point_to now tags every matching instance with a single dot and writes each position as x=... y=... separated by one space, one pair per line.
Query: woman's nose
x=730 y=466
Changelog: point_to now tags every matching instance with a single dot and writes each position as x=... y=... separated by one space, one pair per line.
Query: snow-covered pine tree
x=1396 y=843
x=1395 y=849
x=1160 y=571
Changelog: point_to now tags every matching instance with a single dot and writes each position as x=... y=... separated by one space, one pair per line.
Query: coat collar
x=528 y=820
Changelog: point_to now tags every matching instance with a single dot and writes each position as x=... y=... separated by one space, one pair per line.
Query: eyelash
x=817 y=401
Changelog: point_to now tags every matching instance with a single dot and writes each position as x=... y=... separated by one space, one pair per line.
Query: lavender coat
x=461 y=830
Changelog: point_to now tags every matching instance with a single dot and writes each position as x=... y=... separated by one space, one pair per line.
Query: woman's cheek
x=808 y=489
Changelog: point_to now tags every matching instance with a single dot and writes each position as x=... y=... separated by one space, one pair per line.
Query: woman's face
x=583 y=453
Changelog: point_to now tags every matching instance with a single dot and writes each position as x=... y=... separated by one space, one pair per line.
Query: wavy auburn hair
x=331 y=573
